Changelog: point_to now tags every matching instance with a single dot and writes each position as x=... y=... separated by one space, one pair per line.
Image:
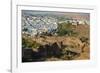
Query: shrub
x=29 y=43
x=84 y=39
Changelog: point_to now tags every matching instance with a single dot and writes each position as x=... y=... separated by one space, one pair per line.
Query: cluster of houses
x=34 y=25
x=76 y=21
x=38 y=25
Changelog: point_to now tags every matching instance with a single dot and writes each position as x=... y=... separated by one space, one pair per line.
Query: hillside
x=52 y=48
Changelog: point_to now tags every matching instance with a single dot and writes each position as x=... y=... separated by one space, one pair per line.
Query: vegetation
x=66 y=29
x=28 y=43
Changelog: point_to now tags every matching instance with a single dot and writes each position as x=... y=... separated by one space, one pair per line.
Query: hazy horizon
x=74 y=15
